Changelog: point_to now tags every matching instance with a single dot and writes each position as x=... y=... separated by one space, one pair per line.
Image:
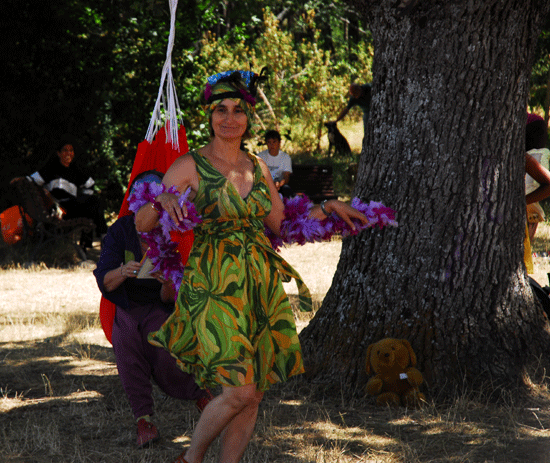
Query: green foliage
x=307 y=84
x=540 y=78
x=92 y=68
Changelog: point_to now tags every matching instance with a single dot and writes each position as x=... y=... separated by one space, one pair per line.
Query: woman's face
x=66 y=155
x=229 y=120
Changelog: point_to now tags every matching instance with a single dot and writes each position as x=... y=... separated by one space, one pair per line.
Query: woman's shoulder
x=122 y=226
x=256 y=159
x=185 y=159
x=183 y=172
x=259 y=164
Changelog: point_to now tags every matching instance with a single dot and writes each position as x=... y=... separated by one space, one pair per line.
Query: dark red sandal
x=203 y=401
x=180 y=459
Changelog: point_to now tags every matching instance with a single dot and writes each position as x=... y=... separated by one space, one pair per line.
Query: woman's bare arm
x=182 y=174
x=541 y=175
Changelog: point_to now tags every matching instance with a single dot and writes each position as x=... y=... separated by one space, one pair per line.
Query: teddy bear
x=396 y=380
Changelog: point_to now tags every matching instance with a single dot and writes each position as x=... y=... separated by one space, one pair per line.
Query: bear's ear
x=369 y=350
x=412 y=355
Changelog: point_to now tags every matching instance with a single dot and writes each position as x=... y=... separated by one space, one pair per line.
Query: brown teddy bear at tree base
x=396 y=381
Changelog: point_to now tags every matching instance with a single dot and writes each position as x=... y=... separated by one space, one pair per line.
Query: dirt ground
x=61 y=400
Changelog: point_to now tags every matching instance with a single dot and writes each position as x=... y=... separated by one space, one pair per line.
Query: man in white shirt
x=279 y=162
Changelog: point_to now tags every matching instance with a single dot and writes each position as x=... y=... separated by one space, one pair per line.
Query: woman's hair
x=536 y=135
x=233 y=87
x=66 y=139
x=147 y=176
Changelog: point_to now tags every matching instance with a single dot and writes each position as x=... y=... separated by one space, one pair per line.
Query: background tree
x=540 y=79
x=69 y=65
x=307 y=84
x=444 y=147
x=88 y=68
x=93 y=69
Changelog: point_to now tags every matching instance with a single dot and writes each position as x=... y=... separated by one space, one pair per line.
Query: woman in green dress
x=233 y=325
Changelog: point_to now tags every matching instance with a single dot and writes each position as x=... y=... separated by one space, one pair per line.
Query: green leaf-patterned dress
x=233 y=324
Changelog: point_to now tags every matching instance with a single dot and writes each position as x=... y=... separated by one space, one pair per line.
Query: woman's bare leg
x=217 y=415
x=237 y=434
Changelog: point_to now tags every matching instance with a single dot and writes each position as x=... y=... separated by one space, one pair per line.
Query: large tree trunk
x=444 y=148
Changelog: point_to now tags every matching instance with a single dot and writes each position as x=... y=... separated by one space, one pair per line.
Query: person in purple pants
x=143 y=305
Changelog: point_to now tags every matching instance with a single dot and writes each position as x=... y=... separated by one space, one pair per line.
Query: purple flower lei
x=162 y=250
x=296 y=228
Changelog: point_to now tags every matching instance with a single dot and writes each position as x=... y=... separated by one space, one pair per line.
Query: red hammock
x=158 y=156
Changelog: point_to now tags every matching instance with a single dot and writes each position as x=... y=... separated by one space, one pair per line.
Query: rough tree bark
x=444 y=148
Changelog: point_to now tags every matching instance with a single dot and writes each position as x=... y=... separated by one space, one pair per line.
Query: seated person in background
x=278 y=162
x=535 y=145
x=143 y=305
x=361 y=96
x=72 y=188
x=541 y=175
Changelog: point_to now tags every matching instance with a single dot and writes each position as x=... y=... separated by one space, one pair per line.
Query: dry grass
x=61 y=400
x=541 y=247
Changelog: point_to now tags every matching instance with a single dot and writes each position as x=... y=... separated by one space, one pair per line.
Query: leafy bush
x=307 y=85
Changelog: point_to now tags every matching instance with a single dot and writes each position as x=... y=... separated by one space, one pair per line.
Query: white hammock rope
x=167 y=97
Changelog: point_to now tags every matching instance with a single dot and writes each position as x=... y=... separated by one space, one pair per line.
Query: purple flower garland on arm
x=297 y=227
x=162 y=250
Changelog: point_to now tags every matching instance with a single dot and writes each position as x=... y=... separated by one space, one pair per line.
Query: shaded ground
x=60 y=405
x=61 y=399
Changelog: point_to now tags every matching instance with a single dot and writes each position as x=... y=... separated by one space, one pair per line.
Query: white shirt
x=543 y=157
x=277 y=164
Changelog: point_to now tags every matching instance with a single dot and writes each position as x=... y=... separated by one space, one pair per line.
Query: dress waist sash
x=254 y=230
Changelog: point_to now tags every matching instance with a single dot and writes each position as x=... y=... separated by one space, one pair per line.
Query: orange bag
x=12 y=225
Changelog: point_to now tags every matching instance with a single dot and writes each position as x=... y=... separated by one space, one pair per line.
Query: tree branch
x=269 y=107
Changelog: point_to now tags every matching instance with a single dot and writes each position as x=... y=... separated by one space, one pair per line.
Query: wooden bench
x=45 y=225
x=315 y=181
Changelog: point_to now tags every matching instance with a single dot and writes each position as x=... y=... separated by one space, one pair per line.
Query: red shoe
x=203 y=401
x=147 y=433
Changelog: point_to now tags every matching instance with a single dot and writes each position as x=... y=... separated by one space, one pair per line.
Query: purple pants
x=137 y=360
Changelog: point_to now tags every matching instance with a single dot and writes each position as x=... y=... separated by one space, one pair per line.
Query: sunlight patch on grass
x=292 y=402
x=182 y=440
x=83 y=368
x=542 y=238
x=23 y=334
x=57 y=370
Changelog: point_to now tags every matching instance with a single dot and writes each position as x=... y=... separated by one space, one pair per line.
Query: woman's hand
x=167 y=290
x=130 y=269
x=169 y=203
x=159 y=277
x=343 y=210
x=114 y=278
x=182 y=174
